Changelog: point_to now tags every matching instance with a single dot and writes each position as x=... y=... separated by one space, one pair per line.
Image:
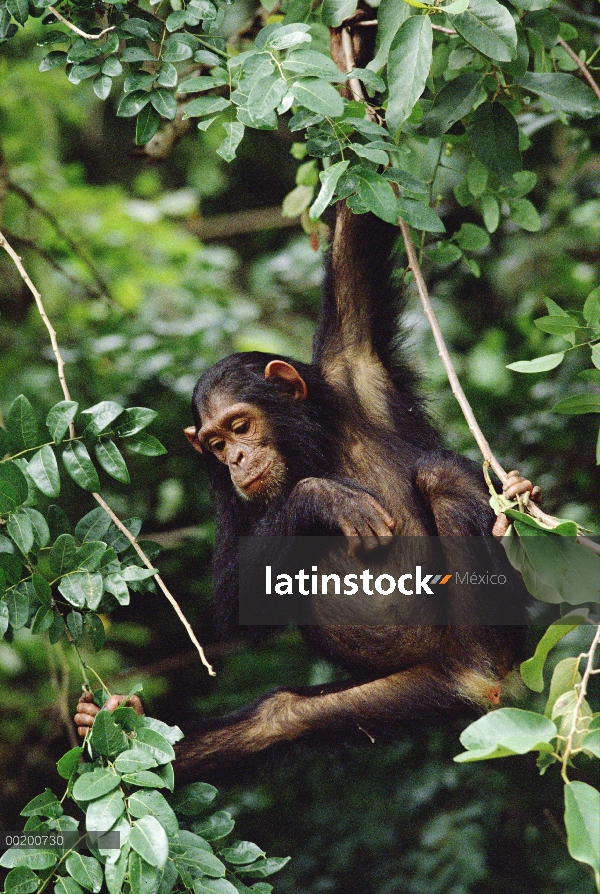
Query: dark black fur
x=362 y=425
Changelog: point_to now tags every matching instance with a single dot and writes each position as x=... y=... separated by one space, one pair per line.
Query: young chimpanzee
x=342 y=445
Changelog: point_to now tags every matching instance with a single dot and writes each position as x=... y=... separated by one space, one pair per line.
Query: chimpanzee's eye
x=240 y=426
x=217 y=445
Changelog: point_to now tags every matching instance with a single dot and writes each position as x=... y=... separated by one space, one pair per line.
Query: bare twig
x=581 y=694
x=353 y=83
x=581 y=65
x=443 y=30
x=117 y=521
x=77 y=30
x=222 y=226
x=457 y=390
x=65 y=389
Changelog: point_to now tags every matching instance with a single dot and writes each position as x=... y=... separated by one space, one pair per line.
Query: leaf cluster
x=53 y=579
x=166 y=842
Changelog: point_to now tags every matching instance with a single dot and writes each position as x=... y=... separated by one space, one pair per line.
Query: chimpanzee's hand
x=87 y=710
x=514 y=487
x=361 y=519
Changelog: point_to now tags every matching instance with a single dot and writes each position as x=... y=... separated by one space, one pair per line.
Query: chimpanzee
x=341 y=446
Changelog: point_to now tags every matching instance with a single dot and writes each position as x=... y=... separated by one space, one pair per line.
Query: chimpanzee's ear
x=192 y=437
x=286 y=374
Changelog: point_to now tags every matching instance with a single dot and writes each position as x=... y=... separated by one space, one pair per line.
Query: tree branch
x=77 y=30
x=457 y=390
x=65 y=389
x=581 y=65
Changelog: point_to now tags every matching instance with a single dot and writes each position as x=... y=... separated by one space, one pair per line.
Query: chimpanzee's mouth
x=247 y=484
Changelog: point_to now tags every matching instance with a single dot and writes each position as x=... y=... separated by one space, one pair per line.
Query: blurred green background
x=150 y=274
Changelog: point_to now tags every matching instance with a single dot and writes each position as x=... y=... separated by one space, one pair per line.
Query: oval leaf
x=540 y=364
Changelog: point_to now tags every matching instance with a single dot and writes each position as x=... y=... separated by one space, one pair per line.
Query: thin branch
x=457 y=390
x=222 y=226
x=77 y=30
x=353 y=83
x=581 y=694
x=581 y=65
x=61 y=375
x=38 y=300
x=443 y=30
x=157 y=578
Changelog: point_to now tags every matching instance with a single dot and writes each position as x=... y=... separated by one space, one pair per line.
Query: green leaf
x=93 y=526
x=582 y=809
x=195 y=859
x=329 y=180
x=490 y=210
x=145 y=779
x=80 y=467
x=532 y=669
x=59 y=419
x=453 y=102
x=242 y=852
x=94 y=628
x=90 y=787
x=335 y=11
x=108 y=739
x=194 y=798
x=562 y=92
x=146 y=445
x=264 y=868
x=135 y=573
x=62 y=555
x=591 y=308
x=152 y=803
x=525 y=215
x=33 y=859
x=85 y=870
x=20 y=529
x=490 y=28
x=559 y=324
x=46 y=804
x=13 y=487
x=82 y=589
x=176 y=20
x=167 y=76
x=592 y=742
x=390 y=16
x=21 y=881
x=142 y=876
x=133 y=760
x=149 y=840
x=164 y=103
x=69 y=762
x=132 y=103
x=21 y=425
x=109 y=457
x=318 y=96
x=67 y=886
x=44 y=619
x=19 y=10
x=377 y=194
x=133 y=420
x=146 y=125
x=235 y=133
x=102 y=86
x=102 y=415
x=408 y=67
x=156 y=744
x=506 y=732
x=4 y=618
x=41 y=531
x=266 y=94
x=197 y=85
x=494 y=137
x=540 y=364
x=310 y=63
x=282 y=37
x=103 y=813
x=216 y=826
x=43 y=469
x=419 y=216
x=89 y=555
x=578 y=404
x=205 y=105
x=54 y=59
x=18 y=601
